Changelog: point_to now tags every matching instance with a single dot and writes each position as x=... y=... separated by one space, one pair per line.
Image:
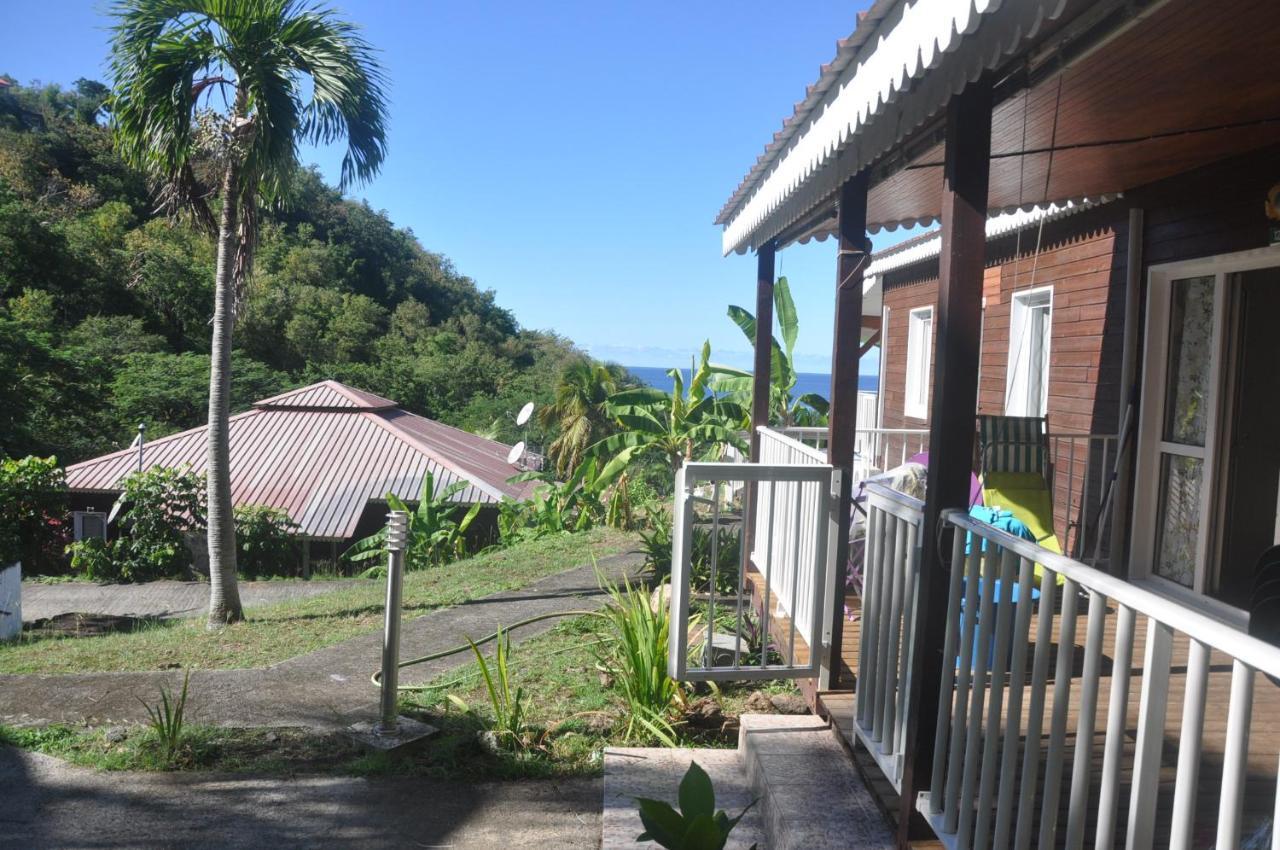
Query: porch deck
x=1263 y=751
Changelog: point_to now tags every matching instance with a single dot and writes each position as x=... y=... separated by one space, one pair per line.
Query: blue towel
x=1003 y=520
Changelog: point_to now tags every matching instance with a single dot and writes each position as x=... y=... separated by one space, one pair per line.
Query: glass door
x=1186 y=420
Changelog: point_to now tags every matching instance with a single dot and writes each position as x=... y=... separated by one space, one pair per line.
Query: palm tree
x=285 y=73
x=784 y=409
x=578 y=412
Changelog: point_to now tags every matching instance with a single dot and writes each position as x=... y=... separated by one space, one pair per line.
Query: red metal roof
x=321 y=453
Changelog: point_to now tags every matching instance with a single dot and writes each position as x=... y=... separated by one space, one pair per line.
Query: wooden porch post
x=842 y=421
x=951 y=415
x=760 y=377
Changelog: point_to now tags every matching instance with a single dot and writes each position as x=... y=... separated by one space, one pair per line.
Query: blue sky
x=570 y=156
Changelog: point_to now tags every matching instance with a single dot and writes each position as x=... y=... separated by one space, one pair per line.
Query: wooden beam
x=760 y=386
x=854 y=250
x=951 y=415
x=869 y=344
x=760 y=382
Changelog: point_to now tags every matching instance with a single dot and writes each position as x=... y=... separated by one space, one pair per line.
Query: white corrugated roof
x=929 y=245
x=896 y=77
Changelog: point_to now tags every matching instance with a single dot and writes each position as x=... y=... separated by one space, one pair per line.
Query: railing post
x=842 y=425
x=761 y=390
x=951 y=420
x=761 y=380
x=397 y=535
x=833 y=604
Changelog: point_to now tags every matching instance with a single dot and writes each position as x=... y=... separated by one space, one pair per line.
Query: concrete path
x=41 y=600
x=48 y=804
x=326 y=689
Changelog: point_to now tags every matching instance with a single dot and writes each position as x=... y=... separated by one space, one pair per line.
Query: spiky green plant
x=167 y=719
x=508 y=707
x=635 y=655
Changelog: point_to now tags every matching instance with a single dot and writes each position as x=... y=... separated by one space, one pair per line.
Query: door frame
x=1149 y=444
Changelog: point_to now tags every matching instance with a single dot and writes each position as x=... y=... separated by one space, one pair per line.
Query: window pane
x=1190 y=341
x=1178 y=521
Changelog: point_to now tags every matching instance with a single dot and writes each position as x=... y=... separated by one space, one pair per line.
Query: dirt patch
x=75 y=624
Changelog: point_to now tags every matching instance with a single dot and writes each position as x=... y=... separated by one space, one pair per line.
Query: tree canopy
x=105 y=301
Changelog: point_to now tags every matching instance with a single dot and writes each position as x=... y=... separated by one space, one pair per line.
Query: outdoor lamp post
x=397 y=536
x=390 y=732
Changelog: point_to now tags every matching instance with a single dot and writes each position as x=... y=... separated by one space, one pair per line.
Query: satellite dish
x=517 y=452
x=524 y=414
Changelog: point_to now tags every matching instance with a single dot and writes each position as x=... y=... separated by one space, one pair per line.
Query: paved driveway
x=49 y=804
x=41 y=601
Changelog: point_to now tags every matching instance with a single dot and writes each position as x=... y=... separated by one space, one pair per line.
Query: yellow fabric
x=1025 y=495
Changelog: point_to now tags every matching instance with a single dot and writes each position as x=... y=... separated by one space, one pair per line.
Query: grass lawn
x=574 y=713
x=277 y=632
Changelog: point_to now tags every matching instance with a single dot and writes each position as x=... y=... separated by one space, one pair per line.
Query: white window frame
x=1150 y=446
x=77 y=522
x=1017 y=385
x=915 y=402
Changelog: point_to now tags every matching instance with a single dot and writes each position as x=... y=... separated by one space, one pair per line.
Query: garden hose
x=376 y=678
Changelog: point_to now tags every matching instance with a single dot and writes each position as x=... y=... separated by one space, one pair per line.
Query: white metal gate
x=736 y=615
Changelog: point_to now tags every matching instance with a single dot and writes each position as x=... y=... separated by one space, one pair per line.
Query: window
x=89 y=524
x=919 y=362
x=1030 y=329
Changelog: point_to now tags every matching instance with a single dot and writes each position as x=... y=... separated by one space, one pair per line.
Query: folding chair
x=1016 y=474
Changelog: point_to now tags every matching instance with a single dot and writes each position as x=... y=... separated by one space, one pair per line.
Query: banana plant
x=680 y=425
x=784 y=409
x=596 y=492
x=434 y=537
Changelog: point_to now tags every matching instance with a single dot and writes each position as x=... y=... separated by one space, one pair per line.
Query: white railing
x=891 y=563
x=988 y=791
x=788 y=520
x=874 y=449
x=716 y=590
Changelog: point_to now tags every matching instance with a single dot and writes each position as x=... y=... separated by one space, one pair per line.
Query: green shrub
x=33 y=513
x=268 y=541
x=656 y=543
x=161 y=506
x=94 y=559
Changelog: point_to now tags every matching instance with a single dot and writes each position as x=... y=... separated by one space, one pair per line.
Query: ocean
x=806 y=382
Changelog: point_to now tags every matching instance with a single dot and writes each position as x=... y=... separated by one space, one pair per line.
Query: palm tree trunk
x=224 y=595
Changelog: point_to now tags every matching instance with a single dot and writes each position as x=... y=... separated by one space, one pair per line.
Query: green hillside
x=105 y=303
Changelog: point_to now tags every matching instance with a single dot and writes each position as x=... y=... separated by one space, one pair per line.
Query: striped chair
x=1016 y=473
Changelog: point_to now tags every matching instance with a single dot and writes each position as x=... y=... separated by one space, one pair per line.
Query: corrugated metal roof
x=928 y=245
x=328 y=395
x=322 y=453
x=894 y=73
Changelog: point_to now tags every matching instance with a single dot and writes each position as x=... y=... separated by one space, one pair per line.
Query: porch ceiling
x=1187 y=84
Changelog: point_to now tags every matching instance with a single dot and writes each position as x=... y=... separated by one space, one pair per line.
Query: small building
x=327 y=454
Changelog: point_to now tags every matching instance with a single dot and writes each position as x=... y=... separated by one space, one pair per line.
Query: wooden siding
x=1214 y=210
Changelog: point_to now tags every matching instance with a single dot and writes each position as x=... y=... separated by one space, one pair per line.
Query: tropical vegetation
x=436 y=531
x=683 y=424
x=785 y=410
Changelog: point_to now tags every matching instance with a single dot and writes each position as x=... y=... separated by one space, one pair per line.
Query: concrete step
x=811 y=796
x=655 y=772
